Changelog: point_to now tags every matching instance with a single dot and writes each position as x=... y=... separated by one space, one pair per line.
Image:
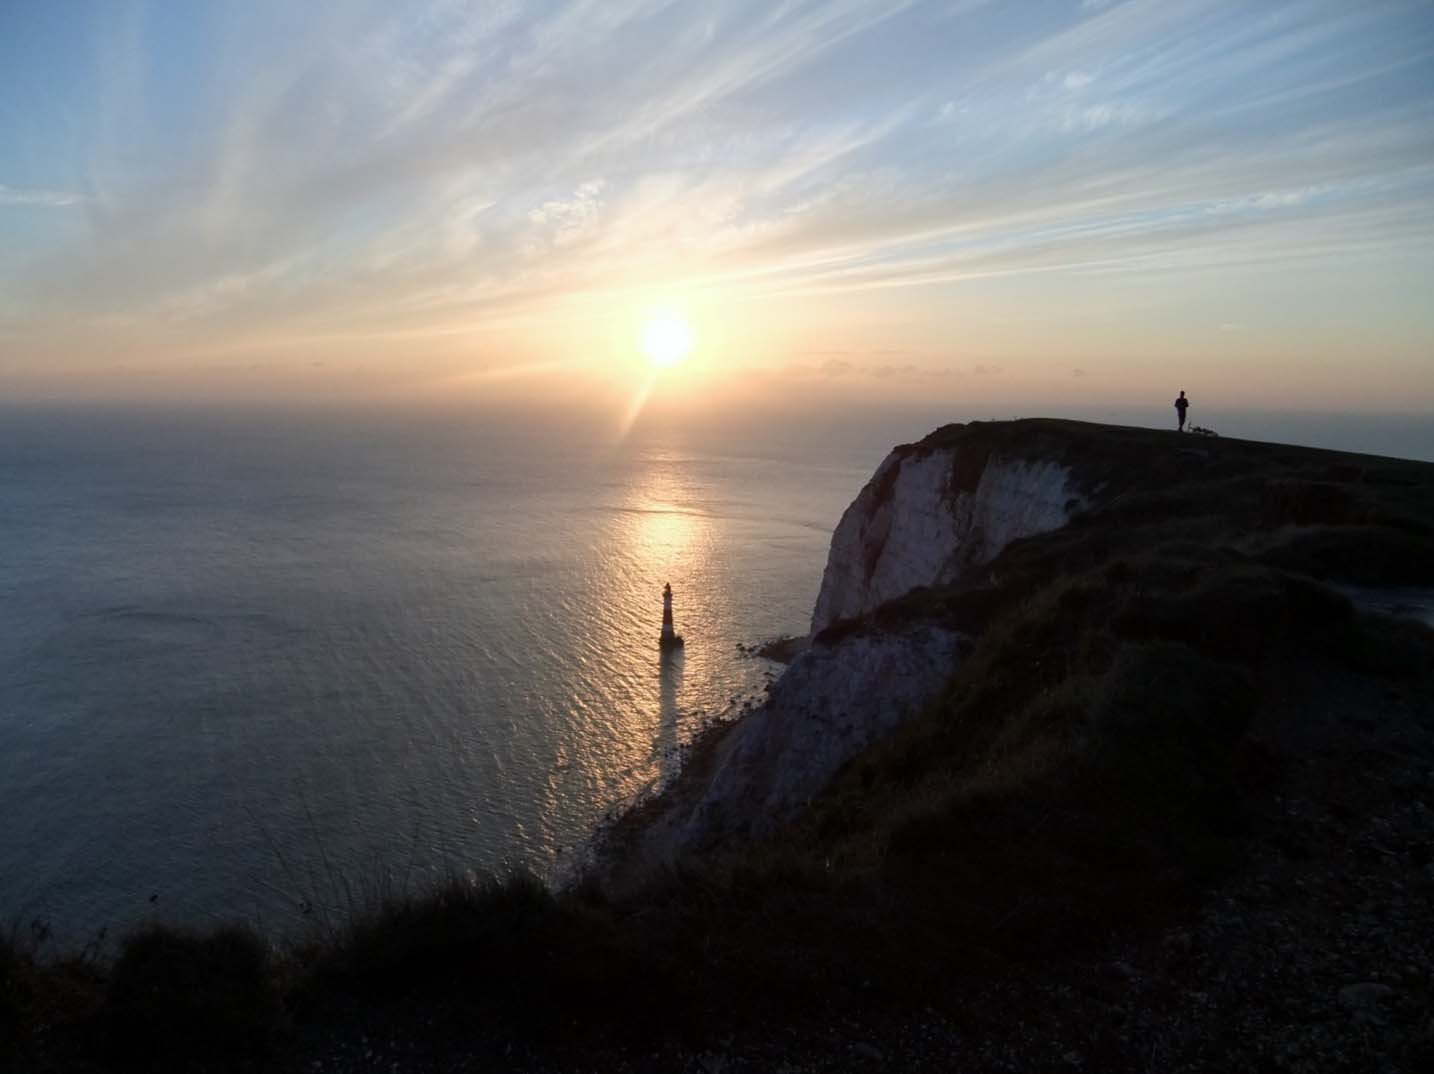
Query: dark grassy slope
x=1149 y=691
x=1105 y=743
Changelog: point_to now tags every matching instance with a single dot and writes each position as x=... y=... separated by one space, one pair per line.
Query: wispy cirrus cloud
x=438 y=169
x=45 y=199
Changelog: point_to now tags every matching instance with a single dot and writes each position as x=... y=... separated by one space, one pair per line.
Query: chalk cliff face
x=930 y=514
x=832 y=702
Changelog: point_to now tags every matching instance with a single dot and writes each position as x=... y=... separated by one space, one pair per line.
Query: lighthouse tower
x=669 y=639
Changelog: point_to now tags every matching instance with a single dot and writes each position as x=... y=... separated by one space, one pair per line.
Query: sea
x=275 y=664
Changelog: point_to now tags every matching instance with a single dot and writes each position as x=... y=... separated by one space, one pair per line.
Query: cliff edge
x=975 y=522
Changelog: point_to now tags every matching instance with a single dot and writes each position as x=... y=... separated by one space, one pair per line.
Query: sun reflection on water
x=659 y=536
x=671 y=533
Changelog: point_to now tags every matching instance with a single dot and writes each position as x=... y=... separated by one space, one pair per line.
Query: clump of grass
x=1361 y=555
x=507 y=945
x=447 y=939
x=441 y=936
x=49 y=1000
x=13 y=993
x=179 y=999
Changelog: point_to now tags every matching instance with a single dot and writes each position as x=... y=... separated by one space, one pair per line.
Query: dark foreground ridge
x=1173 y=811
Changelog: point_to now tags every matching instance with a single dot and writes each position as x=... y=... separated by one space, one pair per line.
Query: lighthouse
x=669 y=639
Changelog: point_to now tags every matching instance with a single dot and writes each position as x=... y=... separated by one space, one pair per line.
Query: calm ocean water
x=243 y=656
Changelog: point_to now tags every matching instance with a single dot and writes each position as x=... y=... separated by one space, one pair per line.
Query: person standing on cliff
x=1181 y=405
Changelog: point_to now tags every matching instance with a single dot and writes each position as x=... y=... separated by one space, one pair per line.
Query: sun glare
x=666 y=340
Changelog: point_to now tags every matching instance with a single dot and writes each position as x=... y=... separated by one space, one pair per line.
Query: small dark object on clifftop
x=1200 y=430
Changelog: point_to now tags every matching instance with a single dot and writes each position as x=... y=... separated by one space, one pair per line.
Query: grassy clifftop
x=1178 y=801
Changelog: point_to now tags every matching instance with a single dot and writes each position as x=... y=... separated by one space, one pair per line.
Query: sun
x=667 y=339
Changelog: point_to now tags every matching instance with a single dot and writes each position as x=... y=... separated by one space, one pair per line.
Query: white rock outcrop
x=831 y=703
x=925 y=517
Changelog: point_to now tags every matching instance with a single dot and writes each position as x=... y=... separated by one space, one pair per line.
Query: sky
x=980 y=200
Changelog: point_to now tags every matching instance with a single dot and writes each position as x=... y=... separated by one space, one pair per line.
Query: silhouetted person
x=1181 y=405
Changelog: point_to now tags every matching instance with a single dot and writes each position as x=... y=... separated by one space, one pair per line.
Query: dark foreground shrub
x=442 y=937
x=11 y=1003
x=183 y=1000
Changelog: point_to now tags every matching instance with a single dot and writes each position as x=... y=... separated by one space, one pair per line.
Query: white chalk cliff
x=927 y=516
x=832 y=702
